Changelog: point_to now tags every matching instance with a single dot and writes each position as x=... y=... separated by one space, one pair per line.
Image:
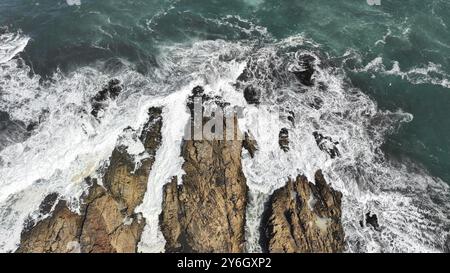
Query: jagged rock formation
x=58 y=233
x=303 y=217
x=316 y=103
x=250 y=144
x=207 y=212
x=110 y=91
x=327 y=145
x=107 y=222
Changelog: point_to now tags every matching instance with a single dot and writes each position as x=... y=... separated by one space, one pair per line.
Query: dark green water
x=411 y=35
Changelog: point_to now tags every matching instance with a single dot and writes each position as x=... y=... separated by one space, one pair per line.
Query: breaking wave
x=10 y=45
x=430 y=74
x=67 y=144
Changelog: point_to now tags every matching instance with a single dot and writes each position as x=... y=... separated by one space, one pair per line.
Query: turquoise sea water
x=407 y=43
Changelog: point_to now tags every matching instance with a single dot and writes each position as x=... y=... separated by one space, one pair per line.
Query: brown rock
x=250 y=144
x=121 y=179
x=106 y=225
x=58 y=233
x=304 y=217
x=107 y=222
x=207 y=212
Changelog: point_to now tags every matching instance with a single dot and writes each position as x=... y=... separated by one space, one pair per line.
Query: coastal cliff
x=107 y=222
x=304 y=217
x=206 y=212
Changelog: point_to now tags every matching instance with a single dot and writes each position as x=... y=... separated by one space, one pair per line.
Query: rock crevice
x=207 y=212
x=303 y=217
x=107 y=222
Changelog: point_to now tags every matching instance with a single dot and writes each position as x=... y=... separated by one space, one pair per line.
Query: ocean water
x=383 y=70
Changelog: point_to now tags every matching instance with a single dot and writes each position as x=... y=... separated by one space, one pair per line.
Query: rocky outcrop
x=58 y=233
x=283 y=139
x=107 y=222
x=252 y=95
x=250 y=144
x=303 y=217
x=316 y=103
x=121 y=179
x=100 y=100
x=372 y=220
x=305 y=70
x=206 y=213
x=327 y=145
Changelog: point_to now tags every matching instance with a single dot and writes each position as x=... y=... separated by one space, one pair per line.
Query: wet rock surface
x=372 y=219
x=305 y=70
x=303 y=217
x=207 y=212
x=283 y=139
x=100 y=100
x=107 y=222
x=252 y=95
x=250 y=144
x=327 y=145
x=13 y=131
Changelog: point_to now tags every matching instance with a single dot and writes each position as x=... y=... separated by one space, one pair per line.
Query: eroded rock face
x=207 y=212
x=59 y=233
x=107 y=222
x=250 y=144
x=372 y=220
x=100 y=100
x=303 y=217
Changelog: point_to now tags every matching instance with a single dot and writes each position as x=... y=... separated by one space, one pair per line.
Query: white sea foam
x=69 y=144
x=168 y=163
x=367 y=180
x=73 y=2
x=11 y=44
x=430 y=74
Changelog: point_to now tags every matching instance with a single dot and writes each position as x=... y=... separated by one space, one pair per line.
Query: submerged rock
x=283 y=139
x=57 y=233
x=316 y=103
x=252 y=95
x=206 y=213
x=99 y=101
x=107 y=222
x=291 y=117
x=304 y=71
x=372 y=219
x=327 y=144
x=48 y=203
x=303 y=217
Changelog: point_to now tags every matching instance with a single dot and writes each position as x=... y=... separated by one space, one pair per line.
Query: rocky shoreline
x=204 y=213
x=107 y=222
x=303 y=217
